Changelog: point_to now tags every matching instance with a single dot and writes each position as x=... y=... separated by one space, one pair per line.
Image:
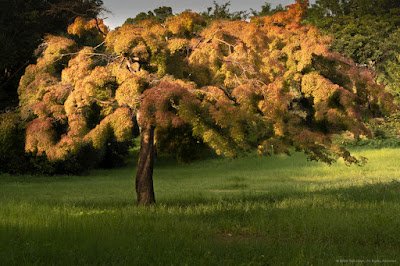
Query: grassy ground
x=248 y=211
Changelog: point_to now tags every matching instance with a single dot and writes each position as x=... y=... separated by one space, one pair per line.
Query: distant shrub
x=386 y=134
x=12 y=142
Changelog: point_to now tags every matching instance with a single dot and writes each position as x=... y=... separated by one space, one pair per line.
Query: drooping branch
x=9 y=109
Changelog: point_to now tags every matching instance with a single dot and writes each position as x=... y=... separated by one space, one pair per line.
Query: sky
x=123 y=9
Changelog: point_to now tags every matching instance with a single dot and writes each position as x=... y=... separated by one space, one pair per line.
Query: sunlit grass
x=251 y=210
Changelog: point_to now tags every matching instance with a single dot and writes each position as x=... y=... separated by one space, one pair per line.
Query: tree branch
x=108 y=56
x=100 y=44
x=250 y=71
x=229 y=45
x=206 y=41
x=98 y=27
x=104 y=102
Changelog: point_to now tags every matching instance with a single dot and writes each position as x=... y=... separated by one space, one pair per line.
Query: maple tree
x=269 y=84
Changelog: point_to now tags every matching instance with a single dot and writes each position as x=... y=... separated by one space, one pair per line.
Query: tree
x=222 y=12
x=267 y=10
x=269 y=84
x=159 y=14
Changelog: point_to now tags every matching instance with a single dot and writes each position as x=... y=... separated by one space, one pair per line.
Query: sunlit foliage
x=270 y=84
x=91 y=32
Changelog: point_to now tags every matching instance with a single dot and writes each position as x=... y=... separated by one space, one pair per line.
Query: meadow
x=280 y=210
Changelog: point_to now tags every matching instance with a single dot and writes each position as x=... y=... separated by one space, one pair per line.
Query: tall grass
x=248 y=211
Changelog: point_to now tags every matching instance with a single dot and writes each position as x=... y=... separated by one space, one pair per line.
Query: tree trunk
x=144 y=174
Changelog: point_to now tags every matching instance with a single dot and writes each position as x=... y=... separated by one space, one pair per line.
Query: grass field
x=249 y=211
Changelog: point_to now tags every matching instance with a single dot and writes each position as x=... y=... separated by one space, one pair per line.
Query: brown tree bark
x=144 y=174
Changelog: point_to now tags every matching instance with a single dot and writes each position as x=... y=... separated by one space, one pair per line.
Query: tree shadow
x=369 y=193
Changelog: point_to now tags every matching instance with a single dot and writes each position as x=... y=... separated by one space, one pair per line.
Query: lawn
x=253 y=210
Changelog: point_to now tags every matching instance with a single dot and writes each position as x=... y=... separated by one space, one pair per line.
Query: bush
x=12 y=138
x=386 y=134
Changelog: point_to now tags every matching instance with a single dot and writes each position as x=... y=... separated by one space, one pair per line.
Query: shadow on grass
x=295 y=160
x=377 y=192
x=368 y=193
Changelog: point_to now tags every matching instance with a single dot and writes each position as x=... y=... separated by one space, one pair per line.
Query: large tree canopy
x=269 y=84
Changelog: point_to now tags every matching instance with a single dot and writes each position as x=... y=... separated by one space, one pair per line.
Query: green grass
x=249 y=211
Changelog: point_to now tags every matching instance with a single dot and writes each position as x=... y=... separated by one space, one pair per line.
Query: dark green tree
x=159 y=14
x=221 y=11
x=267 y=10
